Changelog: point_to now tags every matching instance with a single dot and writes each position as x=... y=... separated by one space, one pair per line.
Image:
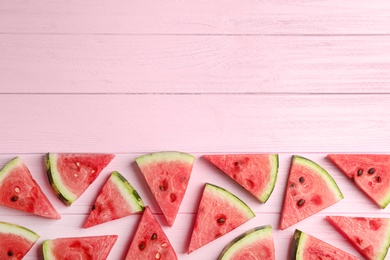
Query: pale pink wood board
x=132 y=77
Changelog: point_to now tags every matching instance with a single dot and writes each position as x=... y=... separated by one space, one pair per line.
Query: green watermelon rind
x=19 y=231
x=8 y=167
x=165 y=156
x=274 y=158
x=244 y=239
x=298 y=242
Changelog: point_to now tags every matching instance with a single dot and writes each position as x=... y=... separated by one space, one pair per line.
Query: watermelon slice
x=167 y=174
x=256 y=173
x=91 y=248
x=117 y=199
x=71 y=174
x=219 y=212
x=20 y=191
x=370 y=172
x=255 y=244
x=309 y=190
x=370 y=236
x=16 y=241
x=306 y=247
x=150 y=241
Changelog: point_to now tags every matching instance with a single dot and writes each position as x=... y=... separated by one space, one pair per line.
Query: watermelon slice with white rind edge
x=150 y=241
x=307 y=247
x=167 y=175
x=91 y=248
x=257 y=173
x=309 y=190
x=15 y=241
x=70 y=174
x=369 y=172
x=254 y=244
x=117 y=199
x=18 y=190
x=370 y=236
x=219 y=212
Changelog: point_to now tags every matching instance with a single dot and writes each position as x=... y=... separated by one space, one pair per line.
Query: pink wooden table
x=133 y=77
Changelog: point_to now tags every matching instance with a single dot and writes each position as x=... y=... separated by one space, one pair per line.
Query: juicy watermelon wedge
x=71 y=174
x=117 y=199
x=370 y=236
x=370 y=172
x=257 y=173
x=219 y=212
x=16 y=241
x=91 y=248
x=309 y=190
x=256 y=244
x=20 y=191
x=150 y=241
x=306 y=247
x=167 y=175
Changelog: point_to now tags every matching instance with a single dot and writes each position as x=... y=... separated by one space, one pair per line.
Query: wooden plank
x=222 y=123
x=196 y=17
x=194 y=64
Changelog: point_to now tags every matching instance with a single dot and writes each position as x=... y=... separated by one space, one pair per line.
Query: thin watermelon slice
x=15 y=241
x=117 y=199
x=370 y=236
x=167 y=175
x=309 y=190
x=370 y=172
x=70 y=174
x=20 y=191
x=257 y=173
x=70 y=248
x=255 y=244
x=150 y=241
x=307 y=247
x=219 y=212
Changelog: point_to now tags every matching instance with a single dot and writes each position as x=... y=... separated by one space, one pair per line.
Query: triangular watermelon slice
x=370 y=172
x=20 y=191
x=70 y=174
x=167 y=174
x=257 y=173
x=91 y=248
x=309 y=190
x=150 y=241
x=219 y=212
x=256 y=243
x=370 y=236
x=307 y=247
x=15 y=241
x=117 y=199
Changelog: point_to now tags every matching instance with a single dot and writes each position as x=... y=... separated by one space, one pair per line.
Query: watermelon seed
x=301 y=202
x=78 y=164
x=360 y=172
x=154 y=236
x=158 y=255
x=141 y=246
x=301 y=180
x=164 y=245
x=17 y=189
x=93 y=171
x=162 y=188
x=379 y=179
x=371 y=171
x=14 y=198
x=94 y=207
x=221 y=220
x=10 y=253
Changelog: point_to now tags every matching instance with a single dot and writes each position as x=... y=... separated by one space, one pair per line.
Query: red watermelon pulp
x=257 y=173
x=219 y=212
x=71 y=174
x=309 y=190
x=150 y=241
x=167 y=175
x=370 y=236
x=370 y=172
x=20 y=191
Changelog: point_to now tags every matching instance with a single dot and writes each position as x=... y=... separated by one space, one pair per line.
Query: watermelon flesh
x=117 y=199
x=20 y=191
x=370 y=172
x=71 y=174
x=150 y=241
x=79 y=248
x=254 y=244
x=309 y=190
x=257 y=173
x=15 y=241
x=306 y=247
x=167 y=175
x=219 y=212
x=370 y=236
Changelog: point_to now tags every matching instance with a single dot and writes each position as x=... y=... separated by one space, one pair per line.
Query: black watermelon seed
x=141 y=246
x=93 y=207
x=221 y=220
x=10 y=253
x=371 y=170
x=301 y=180
x=360 y=172
x=154 y=236
x=379 y=179
x=14 y=198
x=162 y=188
x=301 y=202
